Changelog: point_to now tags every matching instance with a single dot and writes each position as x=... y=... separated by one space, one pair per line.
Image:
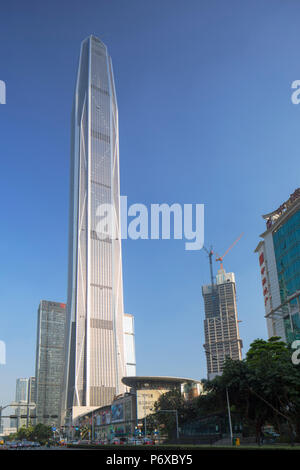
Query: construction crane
x=220 y=258
x=213 y=287
x=210 y=255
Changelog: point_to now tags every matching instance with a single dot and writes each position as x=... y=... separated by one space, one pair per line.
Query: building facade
x=95 y=359
x=149 y=389
x=129 y=345
x=31 y=390
x=279 y=264
x=19 y=418
x=22 y=390
x=127 y=412
x=115 y=420
x=221 y=327
x=32 y=400
x=49 y=361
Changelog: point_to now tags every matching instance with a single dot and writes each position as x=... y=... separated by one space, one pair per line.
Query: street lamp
x=229 y=415
x=227 y=399
x=93 y=426
x=145 y=417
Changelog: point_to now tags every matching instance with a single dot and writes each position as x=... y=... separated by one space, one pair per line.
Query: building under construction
x=221 y=327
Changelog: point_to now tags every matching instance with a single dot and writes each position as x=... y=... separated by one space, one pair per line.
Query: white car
x=115 y=441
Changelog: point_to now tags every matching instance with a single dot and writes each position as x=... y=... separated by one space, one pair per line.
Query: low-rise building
x=127 y=411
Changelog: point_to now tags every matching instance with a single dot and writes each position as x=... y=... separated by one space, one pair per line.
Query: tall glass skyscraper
x=279 y=263
x=49 y=367
x=95 y=357
x=21 y=398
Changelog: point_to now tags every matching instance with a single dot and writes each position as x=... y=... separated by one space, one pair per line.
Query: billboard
x=191 y=390
x=105 y=417
x=146 y=400
x=117 y=413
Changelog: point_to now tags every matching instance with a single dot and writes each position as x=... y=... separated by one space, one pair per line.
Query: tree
x=42 y=433
x=172 y=400
x=264 y=387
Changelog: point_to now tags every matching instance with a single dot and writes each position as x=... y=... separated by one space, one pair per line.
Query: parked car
x=148 y=442
x=26 y=444
x=115 y=441
x=36 y=444
x=270 y=437
x=13 y=445
x=84 y=441
x=133 y=441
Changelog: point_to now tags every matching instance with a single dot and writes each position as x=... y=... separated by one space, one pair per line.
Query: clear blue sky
x=205 y=114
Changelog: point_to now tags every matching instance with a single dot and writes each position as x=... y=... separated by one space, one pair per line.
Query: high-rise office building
x=22 y=390
x=95 y=362
x=25 y=395
x=221 y=328
x=32 y=399
x=129 y=345
x=279 y=264
x=21 y=397
x=31 y=390
x=49 y=361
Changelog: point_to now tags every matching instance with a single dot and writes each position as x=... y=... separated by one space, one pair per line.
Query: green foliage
x=264 y=388
x=40 y=433
x=166 y=420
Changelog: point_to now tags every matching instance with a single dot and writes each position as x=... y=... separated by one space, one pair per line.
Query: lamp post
x=228 y=403
x=145 y=417
x=93 y=429
x=229 y=415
